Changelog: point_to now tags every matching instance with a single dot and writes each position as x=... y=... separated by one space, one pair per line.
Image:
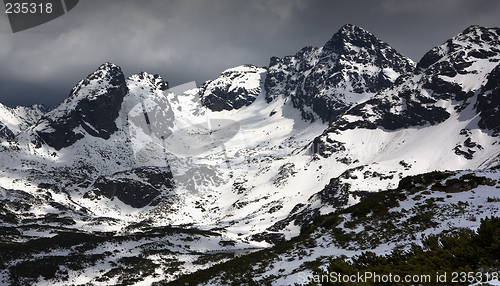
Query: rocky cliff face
x=488 y=103
x=92 y=108
x=324 y=82
x=233 y=89
x=137 y=188
x=448 y=75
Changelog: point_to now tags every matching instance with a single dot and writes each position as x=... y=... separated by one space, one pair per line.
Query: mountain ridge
x=330 y=79
x=439 y=76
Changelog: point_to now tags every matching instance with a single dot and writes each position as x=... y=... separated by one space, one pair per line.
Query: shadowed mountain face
x=488 y=103
x=324 y=82
x=450 y=74
x=92 y=107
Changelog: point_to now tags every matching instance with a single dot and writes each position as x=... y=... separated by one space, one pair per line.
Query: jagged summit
x=353 y=35
x=457 y=53
x=446 y=80
x=324 y=82
x=106 y=73
x=479 y=35
x=357 y=45
x=350 y=34
x=321 y=82
x=92 y=107
x=107 y=77
x=154 y=79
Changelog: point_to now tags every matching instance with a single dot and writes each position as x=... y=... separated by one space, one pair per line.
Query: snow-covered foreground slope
x=240 y=163
x=422 y=207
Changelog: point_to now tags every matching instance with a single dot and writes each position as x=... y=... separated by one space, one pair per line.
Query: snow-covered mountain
x=324 y=82
x=233 y=89
x=430 y=119
x=93 y=105
x=190 y=177
x=450 y=74
x=15 y=120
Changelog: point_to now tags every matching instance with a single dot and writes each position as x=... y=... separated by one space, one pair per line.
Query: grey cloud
x=196 y=40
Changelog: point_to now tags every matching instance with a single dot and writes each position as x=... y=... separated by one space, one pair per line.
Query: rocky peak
x=355 y=44
x=479 y=35
x=449 y=72
x=352 y=66
x=153 y=80
x=350 y=35
x=233 y=89
x=457 y=54
x=108 y=74
x=92 y=107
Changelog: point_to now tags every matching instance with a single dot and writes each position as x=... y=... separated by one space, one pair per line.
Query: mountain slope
x=380 y=235
x=427 y=121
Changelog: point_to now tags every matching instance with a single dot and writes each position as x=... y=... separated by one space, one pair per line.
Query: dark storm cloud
x=196 y=40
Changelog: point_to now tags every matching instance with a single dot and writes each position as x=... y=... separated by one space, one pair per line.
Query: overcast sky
x=187 y=41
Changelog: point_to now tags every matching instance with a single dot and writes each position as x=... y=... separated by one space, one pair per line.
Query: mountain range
x=336 y=150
